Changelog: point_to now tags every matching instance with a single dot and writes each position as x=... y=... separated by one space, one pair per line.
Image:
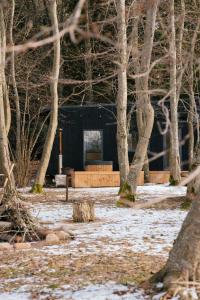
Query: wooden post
x=67 y=187
x=83 y=211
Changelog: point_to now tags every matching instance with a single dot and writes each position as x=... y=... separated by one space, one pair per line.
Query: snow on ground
x=148 y=231
x=108 y=291
x=116 y=230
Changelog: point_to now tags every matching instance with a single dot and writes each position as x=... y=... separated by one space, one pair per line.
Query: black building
x=89 y=133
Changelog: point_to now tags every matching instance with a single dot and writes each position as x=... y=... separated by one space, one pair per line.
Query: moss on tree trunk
x=37 y=189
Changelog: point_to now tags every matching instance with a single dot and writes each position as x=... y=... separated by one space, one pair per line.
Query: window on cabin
x=93 y=145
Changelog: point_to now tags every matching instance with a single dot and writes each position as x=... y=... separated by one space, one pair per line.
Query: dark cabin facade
x=89 y=133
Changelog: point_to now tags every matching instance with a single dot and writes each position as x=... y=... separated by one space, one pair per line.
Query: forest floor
x=109 y=259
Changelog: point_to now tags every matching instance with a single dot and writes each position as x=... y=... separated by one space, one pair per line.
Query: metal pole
x=60 y=158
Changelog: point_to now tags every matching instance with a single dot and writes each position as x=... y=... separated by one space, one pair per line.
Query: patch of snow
x=159 y=285
x=108 y=291
x=148 y=231
x=14 y=296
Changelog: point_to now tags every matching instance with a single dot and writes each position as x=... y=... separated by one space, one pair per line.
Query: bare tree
x=122 y=143
x=88 y=60
x=39 y=181
x=175 y=172
x=145 y=112
x=12 y=208
x=6 y=102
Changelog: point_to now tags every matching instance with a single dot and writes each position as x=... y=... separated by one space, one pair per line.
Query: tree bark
x=83 y=211
x=4 y=151
x=6 y=102
x=193 y=117
x=175 y=171
x=88 y=60
x=122 y=136
x=12 y=208
x=145 y=112
x=183 y=264
x=40 y=178
x=19 y=159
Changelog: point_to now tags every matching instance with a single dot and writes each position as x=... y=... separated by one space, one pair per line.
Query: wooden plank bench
x=99 y=179
x=159 y=176
x=163 y=176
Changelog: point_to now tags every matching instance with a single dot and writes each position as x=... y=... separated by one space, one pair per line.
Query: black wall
x=75 y=119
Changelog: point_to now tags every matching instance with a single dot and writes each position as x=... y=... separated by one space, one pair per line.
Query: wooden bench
x=159 y=176
x=99 y=179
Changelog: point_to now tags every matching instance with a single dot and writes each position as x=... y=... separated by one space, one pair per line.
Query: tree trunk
x=122 y=138
x=175 y=171
x=39 y=182
x=193 y=188
x=19 y=160
x=12 y=208
x=88 y=60
x=145 y=112
x=6 y=103
x=4 y=151
x=191 y=133
x=83 y=211
x=183 y=264
x=193 y=117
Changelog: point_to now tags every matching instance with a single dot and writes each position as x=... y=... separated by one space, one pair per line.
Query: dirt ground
x=118 y=247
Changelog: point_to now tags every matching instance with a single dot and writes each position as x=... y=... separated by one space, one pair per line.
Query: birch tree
x=6 y=102
x=39 y=181
x=122 y=143
x=175 y=172
x=145 y=112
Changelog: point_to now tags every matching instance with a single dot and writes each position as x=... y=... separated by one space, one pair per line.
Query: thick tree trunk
x=83 y=211
x=39 y=182
x=183 y=264
x=145 y=112
x=141 y=149
x=175 y=171
x=122 y=138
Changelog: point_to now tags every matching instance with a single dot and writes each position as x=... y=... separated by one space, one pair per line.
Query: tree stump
x=83 y=211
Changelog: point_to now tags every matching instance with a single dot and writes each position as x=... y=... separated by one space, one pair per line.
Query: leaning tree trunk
x=122 y=142
x=39 y=181
x=183 y=264
x=175 y=171
x=143 y=104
